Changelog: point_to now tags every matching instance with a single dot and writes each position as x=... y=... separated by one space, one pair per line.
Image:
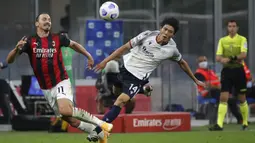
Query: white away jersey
x=146 y=54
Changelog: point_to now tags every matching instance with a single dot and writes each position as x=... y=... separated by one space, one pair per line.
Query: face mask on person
x=203 y=65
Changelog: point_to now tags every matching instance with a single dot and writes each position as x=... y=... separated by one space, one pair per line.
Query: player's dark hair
x=232 y=21
x=37 y=17
x=171 y=21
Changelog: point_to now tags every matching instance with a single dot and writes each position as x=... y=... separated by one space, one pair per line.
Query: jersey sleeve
x=244 y=46
x=64 y=40
x=138 y=39
x=220 y=48
x=176 y=56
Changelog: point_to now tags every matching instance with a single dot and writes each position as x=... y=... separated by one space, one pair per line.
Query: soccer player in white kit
x=147 y=51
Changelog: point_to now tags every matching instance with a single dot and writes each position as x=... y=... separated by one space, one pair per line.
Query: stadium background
x=202 y=23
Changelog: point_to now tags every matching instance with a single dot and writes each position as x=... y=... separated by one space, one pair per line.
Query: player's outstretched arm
x=15 y=52
x=117 y=52
x=12 y=55
x=131 y=43
x=80 y=49
x=185 y=67
x=113 y=56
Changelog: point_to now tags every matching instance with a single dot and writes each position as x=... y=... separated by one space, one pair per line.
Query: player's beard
x=46 y=27
x=43 y=30
x=46 y=30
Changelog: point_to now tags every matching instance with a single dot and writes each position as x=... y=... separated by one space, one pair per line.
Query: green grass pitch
x=231 y=134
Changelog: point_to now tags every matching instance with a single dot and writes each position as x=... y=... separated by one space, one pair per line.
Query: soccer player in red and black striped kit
x=45 y=57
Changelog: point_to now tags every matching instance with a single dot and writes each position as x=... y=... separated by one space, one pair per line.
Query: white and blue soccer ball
x=109 y=11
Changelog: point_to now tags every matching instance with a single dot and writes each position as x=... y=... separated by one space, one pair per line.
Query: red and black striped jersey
x=46 y=58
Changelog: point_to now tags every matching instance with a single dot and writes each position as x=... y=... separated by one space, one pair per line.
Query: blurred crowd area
x=203 y=22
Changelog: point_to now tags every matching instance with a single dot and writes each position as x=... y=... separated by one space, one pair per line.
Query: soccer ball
x=109 y=11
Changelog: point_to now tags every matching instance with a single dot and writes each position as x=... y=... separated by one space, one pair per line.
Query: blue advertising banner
x=102 y=38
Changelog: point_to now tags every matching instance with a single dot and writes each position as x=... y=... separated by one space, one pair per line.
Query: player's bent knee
x=72 y=121
x=65 y=107
x=65 y=111
x=122 y=100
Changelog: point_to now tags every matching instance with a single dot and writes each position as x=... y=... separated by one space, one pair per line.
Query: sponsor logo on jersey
x=43 y=52
x=147 y=53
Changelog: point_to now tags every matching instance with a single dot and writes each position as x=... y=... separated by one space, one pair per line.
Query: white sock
x=86 y=117
x=86 y=127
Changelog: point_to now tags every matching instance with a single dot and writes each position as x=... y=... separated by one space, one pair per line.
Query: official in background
x=232 y=50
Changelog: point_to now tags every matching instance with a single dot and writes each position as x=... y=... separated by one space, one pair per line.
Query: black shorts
x=129 y=84
x=233 y=78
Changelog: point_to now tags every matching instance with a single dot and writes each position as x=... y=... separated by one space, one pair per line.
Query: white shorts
x=60 y=91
